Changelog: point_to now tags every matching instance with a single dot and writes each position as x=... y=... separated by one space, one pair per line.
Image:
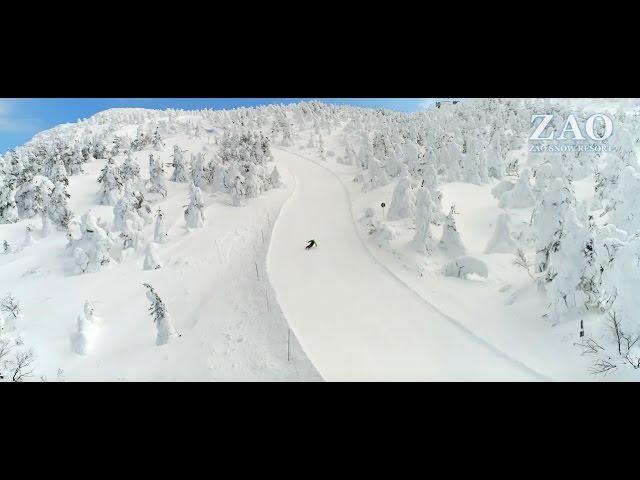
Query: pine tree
x=161 y=317
x=111 y=184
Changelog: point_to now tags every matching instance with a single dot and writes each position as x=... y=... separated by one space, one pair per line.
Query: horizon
x=22 y=118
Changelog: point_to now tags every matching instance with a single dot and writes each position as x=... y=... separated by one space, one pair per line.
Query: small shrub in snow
x=11 y=311
x=461 y=267
x=82 y=339
x=382 y=234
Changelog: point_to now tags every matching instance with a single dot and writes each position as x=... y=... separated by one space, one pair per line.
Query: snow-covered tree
x=57 y=208
x=237 y=191
x=157 y=141
x=157 y=178
x=403 y=199
x=160 y=234
x=8 y=206
x=180 y=170
x=451 y=241
x=161 y=317
x=28 y=236
x=151 y=260
x=275 y=179
x=501 y=241
x=521 y=195
x=33 y=195
x=11 y=310
x=423 y=239
x=129 y=172
x=82 y=340
x=111 y=184
x=253 y=183
x=93 y=250
x=194 y=214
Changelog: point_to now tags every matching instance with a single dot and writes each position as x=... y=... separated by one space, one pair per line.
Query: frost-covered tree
x=93 y=250
x=237 y=191
x=160 y=234
x=253 y=183
x=547 y=221
x=180 y=171
x=624 y=201
x=423 y=239
x=157 y=178
x=151 y=260
x=275 y=179
x=6 y=247
x=28 y=236
x=521 y=195
x=32 y=195
x=82 y=339
x=161 y=317
x=199 y=173
x=8 y=206
x=501 y=241
x=111 y=184
x=157 y=141
x=11 y=310
x=57 y=208
x=451 y=241
x=129 y=172
x=377 y=175
x=194 y=214
x=403 y=199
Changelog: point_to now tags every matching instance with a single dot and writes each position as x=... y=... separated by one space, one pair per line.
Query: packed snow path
x=353 y=318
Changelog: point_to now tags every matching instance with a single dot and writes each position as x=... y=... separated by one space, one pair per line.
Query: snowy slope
x=353 y=318
x=231 y=326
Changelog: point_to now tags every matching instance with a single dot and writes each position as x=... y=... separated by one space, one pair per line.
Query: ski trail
x=376 y=329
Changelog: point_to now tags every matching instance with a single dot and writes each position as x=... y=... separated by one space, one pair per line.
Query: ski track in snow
x=385 y=331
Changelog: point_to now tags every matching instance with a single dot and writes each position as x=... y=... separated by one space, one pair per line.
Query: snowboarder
x=312 y=243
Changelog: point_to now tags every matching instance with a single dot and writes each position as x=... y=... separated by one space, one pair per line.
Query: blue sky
x=21 y=118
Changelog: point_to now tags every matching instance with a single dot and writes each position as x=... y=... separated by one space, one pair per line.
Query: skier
x=312 y=243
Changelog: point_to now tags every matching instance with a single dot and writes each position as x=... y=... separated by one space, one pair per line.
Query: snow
x=232 y=328
x=355 y=319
